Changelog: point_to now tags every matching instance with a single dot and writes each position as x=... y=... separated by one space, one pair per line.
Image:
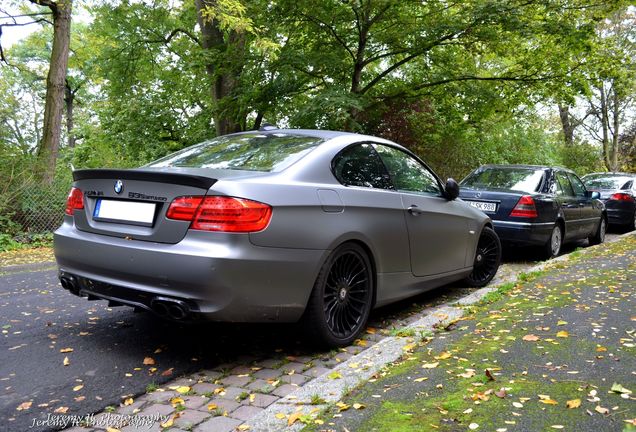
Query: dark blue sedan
x=536 y=205
x=618 y=192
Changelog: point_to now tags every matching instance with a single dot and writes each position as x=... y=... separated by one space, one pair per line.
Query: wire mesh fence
x=41 y=208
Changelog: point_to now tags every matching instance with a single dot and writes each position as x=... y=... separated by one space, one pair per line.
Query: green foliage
x=583 y=158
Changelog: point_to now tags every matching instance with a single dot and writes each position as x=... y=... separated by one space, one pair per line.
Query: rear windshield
x=251 y=151
x=609 y=183
x=512 y=178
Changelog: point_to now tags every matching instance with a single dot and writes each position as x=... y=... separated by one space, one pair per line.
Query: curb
x=332 y=386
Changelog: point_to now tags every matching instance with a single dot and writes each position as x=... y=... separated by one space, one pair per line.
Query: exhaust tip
x=170 y=308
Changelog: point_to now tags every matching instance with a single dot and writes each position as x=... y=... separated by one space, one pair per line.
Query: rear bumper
x=523 y=233
x=620 y=213
x=219 y=276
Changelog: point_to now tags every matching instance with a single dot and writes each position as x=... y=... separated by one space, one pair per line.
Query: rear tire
x=487 y=259
x=599 y=236
x=631 y=226
x=341 y=299
x=553 y=246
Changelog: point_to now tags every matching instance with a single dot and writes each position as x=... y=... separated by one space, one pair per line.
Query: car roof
x=528 y=166
x=323 y=134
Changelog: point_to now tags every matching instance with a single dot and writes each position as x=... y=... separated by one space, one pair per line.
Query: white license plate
x=125 y=211
x=484 y=206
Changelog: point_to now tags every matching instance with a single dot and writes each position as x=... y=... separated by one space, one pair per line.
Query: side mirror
x=451 y=190
x=595 y=195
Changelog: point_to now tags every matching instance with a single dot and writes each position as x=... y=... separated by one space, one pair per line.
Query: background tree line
x=462 y=83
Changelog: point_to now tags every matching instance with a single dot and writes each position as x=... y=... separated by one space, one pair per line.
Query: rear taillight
x=75 y=201
x=525 y=208
x=217 y=213
x=622 y=197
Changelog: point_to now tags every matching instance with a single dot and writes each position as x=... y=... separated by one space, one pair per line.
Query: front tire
x=487 y=259
x=599 y=236
x=341 y=299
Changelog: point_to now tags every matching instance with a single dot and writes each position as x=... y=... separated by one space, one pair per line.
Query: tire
x=631 y=226
x=487 y=259
x=599 y=235
x=553 y=246
x=341 y=298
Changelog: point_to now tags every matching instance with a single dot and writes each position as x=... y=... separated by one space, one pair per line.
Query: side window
x=565 y=188
x=628 y=185
x=577 y=185
x=407 y=173
x=360 y=165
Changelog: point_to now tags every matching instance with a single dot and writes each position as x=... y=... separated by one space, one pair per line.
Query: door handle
x=414 y=210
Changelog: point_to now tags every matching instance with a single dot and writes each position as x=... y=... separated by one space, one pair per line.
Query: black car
x=617 y=193
x=536 y=205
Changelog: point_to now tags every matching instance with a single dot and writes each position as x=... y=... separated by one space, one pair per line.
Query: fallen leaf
x=358 y=406
x=66 y=350
x=501 y=393
x=360 y=342
x=473 y=426
x=334 y=375
x=517 y=404
x=168 y=423
x=61 y=410
x=183 y=389
x=66 y=361
x=562 y=334
x=430 y=365
x=561 y=323
x=420 y=379
x=342 y=406
x=149 y=361
x=293 y=417
x=213 y=406
x=167 y=372
x=530 y=338
x=468 y=374
x=557 y=426
x=601 y=410
x=574 y=403
x=243 y=427
x=280 y=416
x=617 y=388
x=78 y=387
x=443 y=356
x=177 y=401
x=489 y=375
x=24 y=406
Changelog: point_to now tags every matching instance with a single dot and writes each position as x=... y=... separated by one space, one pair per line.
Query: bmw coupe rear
x=272 y=226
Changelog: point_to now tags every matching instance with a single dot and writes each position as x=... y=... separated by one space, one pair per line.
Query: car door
x=437 y=228
x=569 y=206
x=589 y=216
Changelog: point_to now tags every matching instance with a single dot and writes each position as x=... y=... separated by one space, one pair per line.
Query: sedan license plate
x=483 y=206
x=138 y=213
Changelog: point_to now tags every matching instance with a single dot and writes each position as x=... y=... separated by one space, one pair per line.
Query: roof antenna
x=267 y=127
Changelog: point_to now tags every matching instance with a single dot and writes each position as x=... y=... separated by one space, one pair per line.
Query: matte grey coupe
x=272 y=226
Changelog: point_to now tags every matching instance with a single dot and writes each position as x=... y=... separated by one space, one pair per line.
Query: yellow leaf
x=66 y=350
x=342 y=406
x=252 y=397
x=430 y=365
x=371 y=330
x=408 y=347
x=420 y=379
x=560 y=323
x=112 y=429
x=443 y=356
x=548 y=401
x=601 y=349
x=563 y=334
x=530 y=338
x=319 y=422
x=66 y=361
x=219 y=390
x=601 y=410
x=176 y=401
x=149 y=361
x=243 y=427
x=78 y=387
x=360 y=342
x=183 y=389
x=61 y=410
x=212 y=406
x=358 y=406
x=293 y=417
x=334 y=375
x=280 y=416
x=24 y=406
x=168 y=423
x=574 y=403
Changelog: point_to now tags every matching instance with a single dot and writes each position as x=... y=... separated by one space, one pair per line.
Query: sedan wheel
x=487 y=259
x=599 y=236
x=341 y=299
x=556 y=241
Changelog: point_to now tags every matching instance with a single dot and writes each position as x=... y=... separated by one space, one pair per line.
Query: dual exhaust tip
x=163 y=306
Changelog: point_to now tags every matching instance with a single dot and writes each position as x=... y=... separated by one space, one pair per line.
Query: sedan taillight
x=525 y=208
x=619 y=196
x=218 y=213
x=75 y=201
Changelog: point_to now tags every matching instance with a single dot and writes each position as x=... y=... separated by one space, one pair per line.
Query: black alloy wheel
x=487 y=259
x=340 y=302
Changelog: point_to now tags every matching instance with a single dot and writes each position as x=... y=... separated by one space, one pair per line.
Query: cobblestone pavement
x=227 y=396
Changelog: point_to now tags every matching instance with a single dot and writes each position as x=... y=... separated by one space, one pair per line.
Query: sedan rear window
x=250 y=151
x=609 y=183
x=509 y=178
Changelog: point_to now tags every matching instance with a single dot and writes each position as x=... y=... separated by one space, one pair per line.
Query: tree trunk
x=567 y=125
x=224 y=74
x=615 y=135
x=69 y=99
x=55 y=85
x=605 y=128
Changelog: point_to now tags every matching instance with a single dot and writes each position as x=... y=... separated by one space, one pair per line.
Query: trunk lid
x=504 y=200
x=132 y=204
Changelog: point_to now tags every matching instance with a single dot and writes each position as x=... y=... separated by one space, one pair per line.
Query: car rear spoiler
x=141 y=175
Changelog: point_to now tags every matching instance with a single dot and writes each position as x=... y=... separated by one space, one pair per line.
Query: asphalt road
x=42 y=325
